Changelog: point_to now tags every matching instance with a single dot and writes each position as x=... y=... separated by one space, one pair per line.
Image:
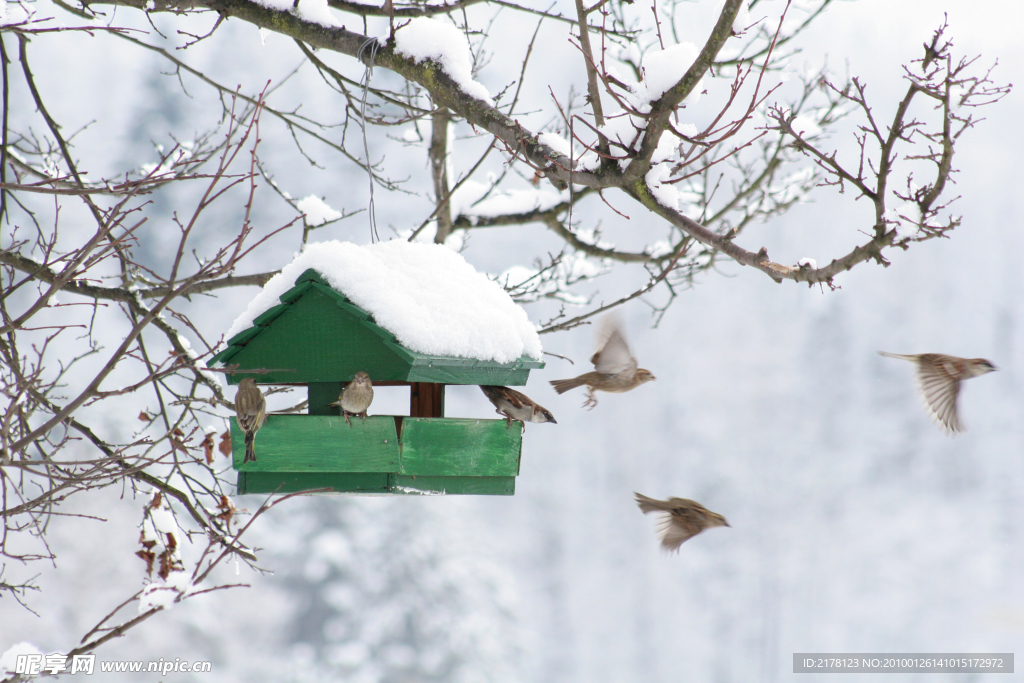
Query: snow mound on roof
x=424 y=294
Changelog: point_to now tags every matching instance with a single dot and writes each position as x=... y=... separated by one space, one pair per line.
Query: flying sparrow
x=615 y=367
x=251 y=412
x=938 y=381
x=681 y=520
x=516 y=406
x=356 y=397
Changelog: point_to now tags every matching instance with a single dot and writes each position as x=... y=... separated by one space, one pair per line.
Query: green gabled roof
x=321 y=336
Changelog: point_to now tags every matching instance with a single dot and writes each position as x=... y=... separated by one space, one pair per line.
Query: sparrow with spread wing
x=356 y=397
x=938 y=381
x=681 y=520
x=516 y=406
x=615 y=367
x=251 y=413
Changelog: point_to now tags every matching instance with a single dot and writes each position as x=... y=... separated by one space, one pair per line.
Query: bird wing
x=613 y=355
x=498 y=394
x=251 y=409
x=247 y=423
x=517 y=399
x=939 y=390
x=676 y=529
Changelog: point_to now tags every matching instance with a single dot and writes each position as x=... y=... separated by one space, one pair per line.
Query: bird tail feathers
x=648 y=504
x=564 y=385
x=250 y=448
x=895 y=355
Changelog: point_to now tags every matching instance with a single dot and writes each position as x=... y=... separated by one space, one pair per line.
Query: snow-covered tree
x=650 y=139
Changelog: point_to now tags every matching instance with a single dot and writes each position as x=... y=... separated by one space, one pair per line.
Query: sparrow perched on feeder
x=516 y=406
x=356 y=397
x=681 y=520
x=251 y=412
x=615 y=367
x=938 y=382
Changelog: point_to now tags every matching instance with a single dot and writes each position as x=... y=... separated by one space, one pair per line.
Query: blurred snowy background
x=856 y=525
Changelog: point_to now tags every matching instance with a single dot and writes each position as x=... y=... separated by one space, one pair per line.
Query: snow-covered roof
x=427 y=295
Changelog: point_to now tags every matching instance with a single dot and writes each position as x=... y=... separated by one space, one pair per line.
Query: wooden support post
x=426 y=399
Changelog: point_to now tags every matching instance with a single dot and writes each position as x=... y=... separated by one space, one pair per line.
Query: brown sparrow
x=615 y=367
x=356 y=397
x=938 y=381
x=681 y=520
x=516 y=406
x=251 y=412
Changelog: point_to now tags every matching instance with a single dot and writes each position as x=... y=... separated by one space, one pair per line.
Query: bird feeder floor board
x=433 y=455
x=371 y=483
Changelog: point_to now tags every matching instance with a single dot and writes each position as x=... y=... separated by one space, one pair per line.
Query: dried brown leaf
x=225 y=444
x=208 y=448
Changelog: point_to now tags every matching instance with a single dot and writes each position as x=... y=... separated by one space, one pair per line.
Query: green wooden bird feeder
x=317 y=337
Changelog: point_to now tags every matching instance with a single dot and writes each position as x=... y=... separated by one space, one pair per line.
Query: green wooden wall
x=321 y=343
x=433 y=455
